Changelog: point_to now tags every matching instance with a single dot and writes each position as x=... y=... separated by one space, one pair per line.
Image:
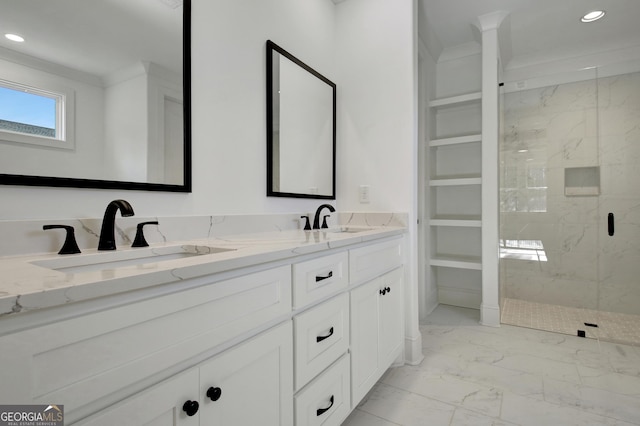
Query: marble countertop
x=26 y=286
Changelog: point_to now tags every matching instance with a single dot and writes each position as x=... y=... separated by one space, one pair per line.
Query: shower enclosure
x=570 y=203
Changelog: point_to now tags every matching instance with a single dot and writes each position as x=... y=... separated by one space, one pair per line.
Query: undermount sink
x=118 y=259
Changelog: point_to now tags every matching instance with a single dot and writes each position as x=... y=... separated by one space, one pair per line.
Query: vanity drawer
x=373 y=260
x=321 y=335
x=319 y=278
x=326 y=400
x=87 y=359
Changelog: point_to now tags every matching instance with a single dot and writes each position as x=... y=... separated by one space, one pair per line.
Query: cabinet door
x=160 y=405
x=250 y=384
x=391 y=317
x=364 y=339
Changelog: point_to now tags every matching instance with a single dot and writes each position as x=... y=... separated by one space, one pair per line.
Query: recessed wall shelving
x=455 y=182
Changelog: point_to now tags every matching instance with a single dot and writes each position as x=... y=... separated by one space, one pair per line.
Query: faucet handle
x=324 y=221
x=139 y=240
x=70 y=245
x=307 y=226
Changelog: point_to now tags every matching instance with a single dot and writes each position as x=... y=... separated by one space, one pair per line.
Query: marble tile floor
x=476 y=375
x=612 y=326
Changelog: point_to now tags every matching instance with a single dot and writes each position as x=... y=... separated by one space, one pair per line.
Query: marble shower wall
x=556 y=246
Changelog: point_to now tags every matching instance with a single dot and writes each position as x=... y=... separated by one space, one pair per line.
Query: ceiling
x=540 y=29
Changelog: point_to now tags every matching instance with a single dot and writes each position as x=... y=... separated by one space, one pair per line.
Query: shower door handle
x=610 y=223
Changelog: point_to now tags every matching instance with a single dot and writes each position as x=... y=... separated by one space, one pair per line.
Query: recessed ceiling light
x=593 y=16
x=14 y=37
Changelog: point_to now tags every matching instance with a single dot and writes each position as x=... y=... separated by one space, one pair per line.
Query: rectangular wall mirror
x=301 y=128
x=97 y=95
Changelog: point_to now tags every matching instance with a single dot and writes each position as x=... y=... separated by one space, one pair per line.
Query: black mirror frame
x=26 y=180
x=271 y=46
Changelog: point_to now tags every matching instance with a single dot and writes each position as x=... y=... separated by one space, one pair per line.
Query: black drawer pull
x=320 y=278
x=321 y=411
x=388 y=289
x=321 y=338
x=383 y=291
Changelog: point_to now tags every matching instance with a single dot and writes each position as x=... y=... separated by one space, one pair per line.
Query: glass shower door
x=619 y=203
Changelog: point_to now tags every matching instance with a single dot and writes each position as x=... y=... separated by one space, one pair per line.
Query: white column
x=490 y=308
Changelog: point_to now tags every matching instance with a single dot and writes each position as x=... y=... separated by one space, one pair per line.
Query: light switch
x=363 y=194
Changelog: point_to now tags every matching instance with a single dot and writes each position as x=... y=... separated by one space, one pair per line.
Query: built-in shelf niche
x=455 y=182
x=458 y=286
x=456 y=241
x=456 y=200
x=582 y=181
x=456 y=161
x=457 y=116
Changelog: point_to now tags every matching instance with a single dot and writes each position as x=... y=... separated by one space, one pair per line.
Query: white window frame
x=65 y=113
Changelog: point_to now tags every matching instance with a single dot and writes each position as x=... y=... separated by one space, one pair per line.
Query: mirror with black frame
x=97 y=95
x=301 y=128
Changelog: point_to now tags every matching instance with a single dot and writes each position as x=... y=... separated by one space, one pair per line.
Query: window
x=35 y=116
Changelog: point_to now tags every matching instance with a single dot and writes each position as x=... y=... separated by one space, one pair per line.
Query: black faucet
x=316 y=219
x=107 y=237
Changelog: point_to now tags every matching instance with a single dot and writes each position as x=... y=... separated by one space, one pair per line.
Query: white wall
x=376 y=104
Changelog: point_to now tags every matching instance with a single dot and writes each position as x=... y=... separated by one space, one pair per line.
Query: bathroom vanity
x=284 y=328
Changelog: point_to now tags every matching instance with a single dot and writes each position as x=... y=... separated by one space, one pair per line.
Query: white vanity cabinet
x=343 y=345
x=90 y=361
x=376 y=330
x=298 y=340
x=250 y=384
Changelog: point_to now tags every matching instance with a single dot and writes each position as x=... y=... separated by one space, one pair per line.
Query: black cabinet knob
x=383 y=291
x=214 y=393
x=191 y=407
x=388 y=289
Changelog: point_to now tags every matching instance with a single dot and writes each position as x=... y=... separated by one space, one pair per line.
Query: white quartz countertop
x=26 y=286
